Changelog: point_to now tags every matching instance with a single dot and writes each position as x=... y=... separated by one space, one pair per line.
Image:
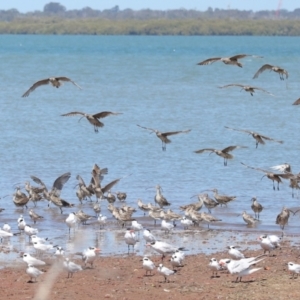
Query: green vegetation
x=97 y=26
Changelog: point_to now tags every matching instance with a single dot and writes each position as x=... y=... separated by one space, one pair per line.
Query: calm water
x=154 y=82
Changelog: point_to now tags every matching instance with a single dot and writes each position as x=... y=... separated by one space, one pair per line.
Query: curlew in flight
x=247 y=88
x=163 y=136
x=223 y=153
x=233 y=60
x=93 y=119
x=259 y=138
x=270 y=175
x=278 y=70
x=55 y=81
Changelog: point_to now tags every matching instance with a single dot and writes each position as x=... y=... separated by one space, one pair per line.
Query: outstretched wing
x=175 y=132
x=73 y=113
x=209 y=61
x=59 y=183
x=261 y=69
x=270 y=139
x=153 y=130
x=38 y=181
x=239 y=56
x=81 y=181
x=67 y=79
x=35 y=85
x=232 y=84
x=110 y=185
x=260 y=89
x=206 y=149
x=231 y=148
x=257 y=169
x=104 y=114
x=241 y=130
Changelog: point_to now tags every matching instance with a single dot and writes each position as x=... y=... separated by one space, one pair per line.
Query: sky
x=202 y=5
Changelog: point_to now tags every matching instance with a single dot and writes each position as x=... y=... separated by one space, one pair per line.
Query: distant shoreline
x=181 y=27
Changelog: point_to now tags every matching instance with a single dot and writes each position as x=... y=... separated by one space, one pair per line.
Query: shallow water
x=154 y=82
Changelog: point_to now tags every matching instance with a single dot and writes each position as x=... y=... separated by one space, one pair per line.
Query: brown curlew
x=248 y=219
x=223 y=153
x=256 y=207
x=159 y=198
x=222 y=199
x=207 y=218
x=93 y=119
x=34 y=216
x=283 y=217
x=276 y=69
x=270 y=175
x=163 y=136
x=55 y=81
x=247 y=88
x=259 y=138
x=121 y=196
x=233 y=60
x=209 y=203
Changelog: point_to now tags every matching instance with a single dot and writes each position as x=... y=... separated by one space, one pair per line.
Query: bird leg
x=273 y=186
x=278 y=185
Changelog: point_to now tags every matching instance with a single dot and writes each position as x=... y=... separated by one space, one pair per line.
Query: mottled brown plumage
x=233 y=60
x=55 y=81
x=275 y=69
x=163 y=136
x=93 y=119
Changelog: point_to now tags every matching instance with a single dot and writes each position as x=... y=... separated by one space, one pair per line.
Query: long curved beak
x=80 y=119
x=263 y=177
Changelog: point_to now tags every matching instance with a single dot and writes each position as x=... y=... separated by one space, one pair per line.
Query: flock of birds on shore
x=237 y=264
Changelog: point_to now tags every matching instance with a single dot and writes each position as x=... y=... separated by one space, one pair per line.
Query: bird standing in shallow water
x=163 y=136
x=256 y=207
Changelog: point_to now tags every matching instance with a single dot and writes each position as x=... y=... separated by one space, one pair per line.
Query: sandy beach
x=122 y=277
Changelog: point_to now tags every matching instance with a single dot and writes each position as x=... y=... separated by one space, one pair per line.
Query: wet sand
x=122 y=276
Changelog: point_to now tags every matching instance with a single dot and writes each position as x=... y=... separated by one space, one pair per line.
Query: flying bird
x=271 y=176
x=276 y=69
x=233 y=60
x=223 y=153
x=55 y=81
x=163 y=136
x=93 y=119
x=259 y=138
x=247 y=88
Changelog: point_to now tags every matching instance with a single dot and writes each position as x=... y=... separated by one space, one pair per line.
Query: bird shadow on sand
x=218 y=276
x=30 y=281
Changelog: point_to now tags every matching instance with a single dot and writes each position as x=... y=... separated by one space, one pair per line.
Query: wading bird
x=93 y=119
x=233 y=60
x=55 y=81
x=275 y=69
x=223 y=153
x=163 y=136
x=256 y=207
x=259 y=138
x=283 y=217
x=247 y=88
